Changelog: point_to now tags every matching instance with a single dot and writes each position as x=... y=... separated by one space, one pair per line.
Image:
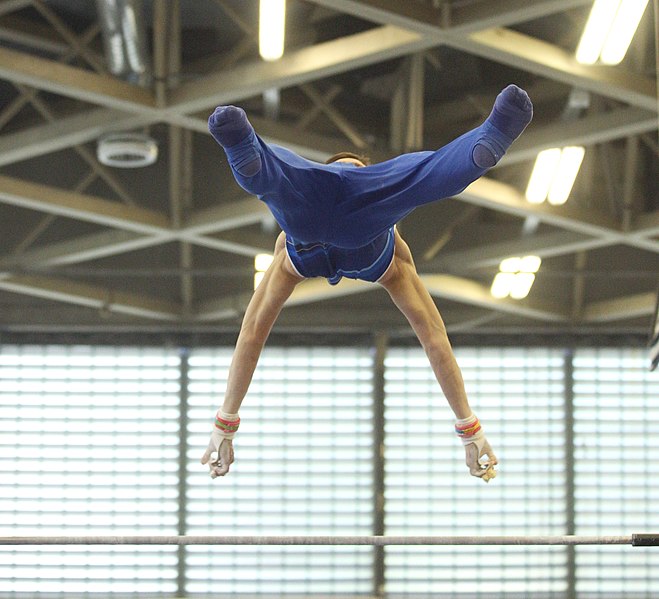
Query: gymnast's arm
x=262 y=312
x=407 y=291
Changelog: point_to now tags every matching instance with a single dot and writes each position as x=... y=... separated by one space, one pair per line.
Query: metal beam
x=465 y=291
x=587 y=131
x=87 y=156
x=621 y=308
x=427 y=19
x=65 y=132
x=334 y=115
x=307 y=292
x=82 y=294
x=485 y=15
x=499 y=196
x=226 y=216
x=506 y=46
x=81 y=249
x=547 y=245
x=8 y=6
x=18 y=192
x=546 y=60
x=307 y=64
x=22 y=32
x=647 y=225
x=73 y=82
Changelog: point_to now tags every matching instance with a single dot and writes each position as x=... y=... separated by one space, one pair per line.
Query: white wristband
x=226 y=424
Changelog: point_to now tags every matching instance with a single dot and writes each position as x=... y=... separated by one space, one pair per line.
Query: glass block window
x=303 y=467
x=519 y=396
x=88 y=446
x=616 y=410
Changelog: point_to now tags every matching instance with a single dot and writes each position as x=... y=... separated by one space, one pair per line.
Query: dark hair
x=365 y=160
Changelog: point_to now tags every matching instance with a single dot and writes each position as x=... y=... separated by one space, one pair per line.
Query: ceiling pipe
x=124 y=39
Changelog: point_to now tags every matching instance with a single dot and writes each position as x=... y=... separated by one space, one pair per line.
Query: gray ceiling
x=170 y=246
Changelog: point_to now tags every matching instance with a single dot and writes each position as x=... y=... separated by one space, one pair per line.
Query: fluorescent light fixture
x=510 y=265
x=522 y=285
x=258 y=277
x=529 y=264
x=622 y=31
x=503 y=282
x=597 y=27
x=609 y=30
x=542 y=175
x=566 y=173
x=554 y=174
x=262 y=262
x=516 y=277
x=272 y=26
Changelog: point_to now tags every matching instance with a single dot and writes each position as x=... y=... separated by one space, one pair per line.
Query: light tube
x=565 y=175
x=542 y=175
x=622 y=31
x=522 y=285
x=502 y=284
x=597 y=28
x=258 y=277
x=530 y=264
x=272 y=26
x=262 y=262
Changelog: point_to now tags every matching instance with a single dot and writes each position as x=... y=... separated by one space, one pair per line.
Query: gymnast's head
x=349 y=158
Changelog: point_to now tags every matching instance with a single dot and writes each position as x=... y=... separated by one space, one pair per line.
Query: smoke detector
x=127 y=150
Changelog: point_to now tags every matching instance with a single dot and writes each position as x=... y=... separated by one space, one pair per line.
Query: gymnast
x=338 y=220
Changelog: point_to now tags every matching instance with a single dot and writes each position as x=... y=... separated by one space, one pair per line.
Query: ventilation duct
x=124 y=38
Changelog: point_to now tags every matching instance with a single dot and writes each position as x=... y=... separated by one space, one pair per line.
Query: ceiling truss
x=404 y=29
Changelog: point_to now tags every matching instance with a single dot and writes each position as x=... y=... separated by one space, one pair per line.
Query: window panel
x=88 y=446
x=303 y=467
x=518 y=395
x=616 y=436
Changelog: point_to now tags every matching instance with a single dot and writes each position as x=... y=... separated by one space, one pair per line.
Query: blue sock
x=511 y=113
x=230 y=128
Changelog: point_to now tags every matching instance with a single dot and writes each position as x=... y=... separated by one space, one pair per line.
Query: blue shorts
x=367 y=263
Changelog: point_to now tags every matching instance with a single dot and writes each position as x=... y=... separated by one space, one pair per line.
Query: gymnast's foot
x=511 y=113
x=231 y=129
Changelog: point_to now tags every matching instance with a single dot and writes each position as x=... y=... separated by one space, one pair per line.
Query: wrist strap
x=227 y=424
x=467 y=428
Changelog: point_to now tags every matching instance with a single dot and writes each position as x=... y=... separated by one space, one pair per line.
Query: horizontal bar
x=636 y=540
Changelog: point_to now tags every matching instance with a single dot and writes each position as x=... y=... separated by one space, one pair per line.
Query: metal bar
x=635 y=539
x=69 y=36
x=381 y=346
x=184 y=381
x=570 y=510
x=334 y=115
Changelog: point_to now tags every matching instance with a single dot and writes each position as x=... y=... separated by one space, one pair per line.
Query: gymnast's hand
x=476 y=447
x=219 y=453
x=481 y=468
x=218 y=458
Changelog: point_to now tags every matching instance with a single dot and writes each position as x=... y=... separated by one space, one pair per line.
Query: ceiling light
x=622 y=31
x=502 y=284
x=510 y=265
x=597 y=27
x=554 y=174
x=127 y=150
x=566 y=174
x=609 y=30
x=261 y=263
x=272 y=26
x=530 y=264
x=522 y=285
x=516 y=277
x=542 y=175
